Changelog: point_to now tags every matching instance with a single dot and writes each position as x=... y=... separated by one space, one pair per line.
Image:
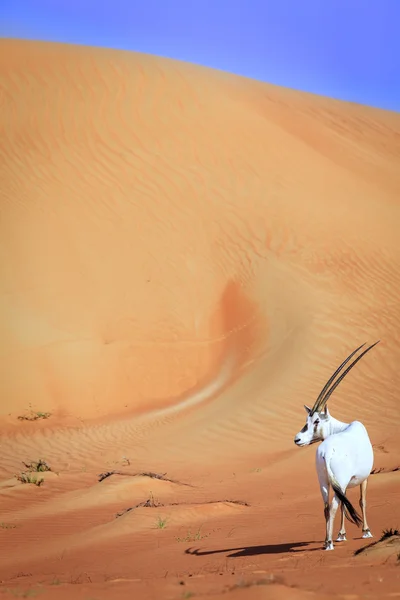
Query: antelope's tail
x=349 y=510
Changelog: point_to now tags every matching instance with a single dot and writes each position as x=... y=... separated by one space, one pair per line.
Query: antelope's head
x=315 y=429
x=317 y=425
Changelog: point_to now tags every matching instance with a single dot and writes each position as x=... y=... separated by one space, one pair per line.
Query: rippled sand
x=186 y=256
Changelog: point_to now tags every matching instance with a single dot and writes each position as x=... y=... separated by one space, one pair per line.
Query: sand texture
x=185 y=258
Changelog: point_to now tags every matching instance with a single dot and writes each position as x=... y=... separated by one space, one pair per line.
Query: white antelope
x=343 y=460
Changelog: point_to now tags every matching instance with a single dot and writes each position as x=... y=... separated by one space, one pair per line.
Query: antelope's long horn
x=319 y=400
x=343 y=375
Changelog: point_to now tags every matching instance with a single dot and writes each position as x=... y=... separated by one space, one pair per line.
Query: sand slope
x=186 y=256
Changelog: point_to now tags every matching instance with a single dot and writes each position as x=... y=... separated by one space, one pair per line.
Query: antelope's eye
x=316 y=422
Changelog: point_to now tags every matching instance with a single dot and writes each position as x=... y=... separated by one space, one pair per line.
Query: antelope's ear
x=308 y=409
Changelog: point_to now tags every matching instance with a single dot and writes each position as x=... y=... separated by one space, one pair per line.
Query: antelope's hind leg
x=332 y=514
x=363 y=505
x=342 y=533
x=328 y=544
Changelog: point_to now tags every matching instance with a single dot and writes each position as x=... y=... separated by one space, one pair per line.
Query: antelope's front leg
x=342 y=533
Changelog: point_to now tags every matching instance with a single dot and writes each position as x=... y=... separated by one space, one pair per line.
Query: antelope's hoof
x=367 y=534
x=329 y=545
x=341 y=537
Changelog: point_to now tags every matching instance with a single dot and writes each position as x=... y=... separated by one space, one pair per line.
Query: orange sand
x=186 y=255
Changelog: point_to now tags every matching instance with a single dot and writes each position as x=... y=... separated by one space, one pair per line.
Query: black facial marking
x=304 y=428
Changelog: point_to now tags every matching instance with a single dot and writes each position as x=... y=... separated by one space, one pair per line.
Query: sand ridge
x=186 y=257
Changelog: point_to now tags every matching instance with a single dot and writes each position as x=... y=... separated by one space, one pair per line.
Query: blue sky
x=348 y=49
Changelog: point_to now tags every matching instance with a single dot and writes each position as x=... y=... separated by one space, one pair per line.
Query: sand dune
x=186 y=257
x=384 y=549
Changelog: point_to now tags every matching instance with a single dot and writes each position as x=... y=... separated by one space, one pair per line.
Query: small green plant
x=7 y=525
x=34 y=415
x=161 y=523
x=193 y=537
x=187 y=595
x=39 y=467
x=257 y=470
x=29 y=478
x=387 y=533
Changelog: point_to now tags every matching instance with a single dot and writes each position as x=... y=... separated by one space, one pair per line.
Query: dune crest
x=131 y=204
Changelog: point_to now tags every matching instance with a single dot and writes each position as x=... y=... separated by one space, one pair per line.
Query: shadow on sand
x=254 y=550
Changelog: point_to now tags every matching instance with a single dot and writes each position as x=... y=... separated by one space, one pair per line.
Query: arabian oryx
x=343 y=460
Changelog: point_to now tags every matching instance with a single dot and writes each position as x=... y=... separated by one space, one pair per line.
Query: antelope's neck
x=336 y=426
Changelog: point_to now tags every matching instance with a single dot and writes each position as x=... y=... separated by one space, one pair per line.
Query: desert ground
x=186 y=257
